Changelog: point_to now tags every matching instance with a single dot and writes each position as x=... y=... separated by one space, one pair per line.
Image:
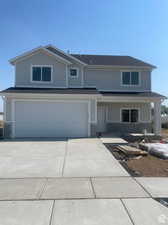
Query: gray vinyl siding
x=114 y=109
x=110 y=79
x=59 y=75
x=23 y=71
x=75 y=81
x=8 y=110
x=114 y=124
x=102 y=79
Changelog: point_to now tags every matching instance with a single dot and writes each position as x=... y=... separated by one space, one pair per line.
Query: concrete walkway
x=90 y=158
x=74 y=182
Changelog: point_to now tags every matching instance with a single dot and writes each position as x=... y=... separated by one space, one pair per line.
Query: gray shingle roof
x=133 y=94
x=111 y=60
x=55 y=51
x=51 y=90
x=106 y=60
x=78 y=91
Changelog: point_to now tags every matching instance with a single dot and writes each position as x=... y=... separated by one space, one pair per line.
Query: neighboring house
x=70 y=95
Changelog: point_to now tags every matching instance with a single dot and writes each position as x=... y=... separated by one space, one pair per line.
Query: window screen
x=130 y=78
x=130 y=115
x=41 y=73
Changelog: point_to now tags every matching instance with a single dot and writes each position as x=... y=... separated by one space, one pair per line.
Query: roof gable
x=21 y=57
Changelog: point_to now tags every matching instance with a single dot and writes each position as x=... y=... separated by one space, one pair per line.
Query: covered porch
x=123 y=113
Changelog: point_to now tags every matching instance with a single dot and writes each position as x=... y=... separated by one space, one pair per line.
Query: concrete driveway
x=61 y=158
x=72 y=182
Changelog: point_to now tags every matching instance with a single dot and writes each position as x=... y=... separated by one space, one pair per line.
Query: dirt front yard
x=141 y=166
x=148 y=166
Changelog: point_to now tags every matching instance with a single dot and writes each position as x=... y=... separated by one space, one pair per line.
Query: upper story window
x=41 y=73
x=130 y=115
x=73 y=72
x=130 y=78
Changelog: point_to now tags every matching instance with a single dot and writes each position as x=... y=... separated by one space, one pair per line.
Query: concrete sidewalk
x=71 y=188
x=84 y=212
x=83 y=188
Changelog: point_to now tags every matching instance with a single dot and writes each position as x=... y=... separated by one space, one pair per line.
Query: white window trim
x=42 y=82
x=121 y=109
x=77 y=70
x=131 y=85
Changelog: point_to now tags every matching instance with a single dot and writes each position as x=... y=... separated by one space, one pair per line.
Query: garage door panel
x=51 y=119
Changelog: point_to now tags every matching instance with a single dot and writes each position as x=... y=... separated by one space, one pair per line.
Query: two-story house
x=57 y=94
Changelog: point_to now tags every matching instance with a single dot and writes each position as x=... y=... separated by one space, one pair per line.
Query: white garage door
x=51 y=119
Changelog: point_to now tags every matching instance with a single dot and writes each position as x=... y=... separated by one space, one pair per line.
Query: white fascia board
x=44 y=96
x=119 y=67
x=129 y=99
x=69 y=55
x=13 y=61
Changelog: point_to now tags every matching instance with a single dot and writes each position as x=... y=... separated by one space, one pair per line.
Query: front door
x=101 y=118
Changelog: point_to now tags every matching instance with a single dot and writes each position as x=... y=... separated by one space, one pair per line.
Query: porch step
x=113 y=140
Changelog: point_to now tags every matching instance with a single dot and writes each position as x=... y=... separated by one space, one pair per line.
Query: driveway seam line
x=52 y=212
x=94 y=193
x=43 y=188
x=129 y=215
x=59 y=177
x=143 y=187
x=65 y=156
x=67 y=199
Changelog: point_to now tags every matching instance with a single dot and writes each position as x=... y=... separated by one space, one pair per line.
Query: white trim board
x=120 y=67
x=41 y=86
x=49 y=96
x=124 y=90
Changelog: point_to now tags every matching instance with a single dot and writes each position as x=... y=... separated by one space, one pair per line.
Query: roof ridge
x=100 y=55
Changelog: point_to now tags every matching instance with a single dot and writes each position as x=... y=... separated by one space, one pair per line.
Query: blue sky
x=136 y=28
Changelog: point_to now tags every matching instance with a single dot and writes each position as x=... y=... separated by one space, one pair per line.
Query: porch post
x=157 y=117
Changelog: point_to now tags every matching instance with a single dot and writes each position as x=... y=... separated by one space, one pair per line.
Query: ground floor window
x=130 y=115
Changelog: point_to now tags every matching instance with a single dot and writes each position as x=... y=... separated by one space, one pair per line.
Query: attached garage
x=40 y=118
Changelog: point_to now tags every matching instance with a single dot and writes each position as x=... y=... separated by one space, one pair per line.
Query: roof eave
x=131 y=99
x=121 y=66
x=43 y=95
